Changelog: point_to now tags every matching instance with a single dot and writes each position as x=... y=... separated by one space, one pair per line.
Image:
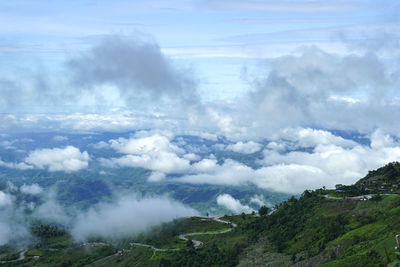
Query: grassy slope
x=333 y=232
x=298 y=227
x=308 y=231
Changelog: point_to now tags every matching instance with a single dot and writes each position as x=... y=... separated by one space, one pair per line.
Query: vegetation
x=310 y=230
x=264 y=210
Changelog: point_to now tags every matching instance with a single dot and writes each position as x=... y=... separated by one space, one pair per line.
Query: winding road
x=362 y=197
x=196 y=243
x=20 y=258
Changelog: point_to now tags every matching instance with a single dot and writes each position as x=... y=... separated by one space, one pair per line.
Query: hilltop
x=312 y=230
x=386 y=178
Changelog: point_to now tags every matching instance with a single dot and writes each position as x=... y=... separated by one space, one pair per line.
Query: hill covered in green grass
x=312 y=230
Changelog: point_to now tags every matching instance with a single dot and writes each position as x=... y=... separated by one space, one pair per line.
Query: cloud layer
x=68 y=159
x=135 y=69
x=232 y=204
x=127 y=216
x=154 y=152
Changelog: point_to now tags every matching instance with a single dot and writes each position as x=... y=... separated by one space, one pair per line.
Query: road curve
x=196 y=243
x=361 y=197
x=20 y=258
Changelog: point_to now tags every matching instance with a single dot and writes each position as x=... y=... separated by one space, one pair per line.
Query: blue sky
x=300 y=81
x=201 y=60
x=216 y=38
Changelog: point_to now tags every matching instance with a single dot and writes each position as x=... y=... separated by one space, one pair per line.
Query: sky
x=298 y=80
x=219 y=42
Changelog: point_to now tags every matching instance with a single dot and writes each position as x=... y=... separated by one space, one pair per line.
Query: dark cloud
x=136 y=68
x=319 y=89
x=128 y=71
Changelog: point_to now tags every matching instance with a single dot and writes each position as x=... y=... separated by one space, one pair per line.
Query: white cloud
x=290 y=178
x=149 y=144
x=154 y=152
x=202 y=134
x=287 y=178
x=5 y=233
x=60 y=138
x=68 y=159
x=205 y=165
x=127 y=216
x=32 y=189
x=12 y=228
x=277 y=146
x=307 y=137
x=209 y=172
x=249 y=147
x=5 y=199
x=232 y=204
x=330 y=163
x=156 y=177
x=191 y=156
x=259 y=200
x=100 y=145
x=161 y=162
x=6 y=144
x=328 y=160
x=51 y=210
x=12 y=232
x=381 y=140
x=20 y=165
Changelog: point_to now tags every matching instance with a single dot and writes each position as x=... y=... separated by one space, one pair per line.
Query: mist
x=126 y=215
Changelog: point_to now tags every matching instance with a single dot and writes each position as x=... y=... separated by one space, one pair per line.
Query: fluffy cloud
x=297 y=90
x=232 y=204
x=5 y=199
x=305 y=159
x=148 y=144
x=307 y=137
x=50 y=210
x=32 y=189
x=68 y=159
x=135 y=69
x=156 y=177
x=12 y=228
x=249 y=147
x=259 y=200
x=287 y=178
x=11 y=231
x=209 y=172
x=160 y=162
x=154 y=152
x=127 y=216
x=20 y=165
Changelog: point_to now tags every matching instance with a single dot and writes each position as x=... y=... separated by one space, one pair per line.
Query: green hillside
x=312 y=230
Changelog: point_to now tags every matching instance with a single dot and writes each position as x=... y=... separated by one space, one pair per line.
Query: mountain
x=316 y=229
x=100 y=180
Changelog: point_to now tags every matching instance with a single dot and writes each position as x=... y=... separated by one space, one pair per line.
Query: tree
x=264 y=210
x=189 y=244
x=293 y=258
